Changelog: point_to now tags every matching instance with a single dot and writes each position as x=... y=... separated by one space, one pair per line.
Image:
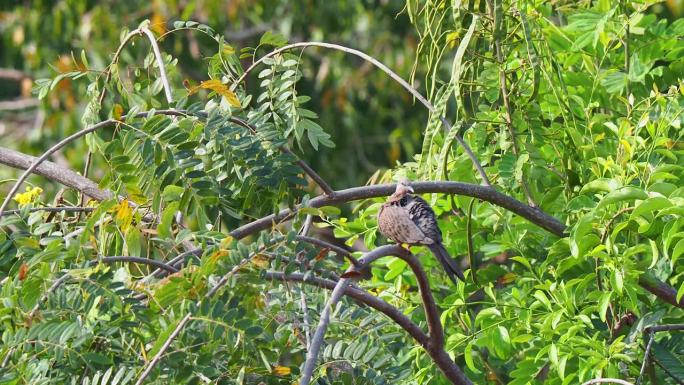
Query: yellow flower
x=281 y=371
x=29 y=196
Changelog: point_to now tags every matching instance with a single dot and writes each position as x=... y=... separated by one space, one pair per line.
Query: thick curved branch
x=436 y=331
x=359 y=295
x=440 y=356
x=384 y=69
x=338 y=292
x=660 y=289
x=488 y=194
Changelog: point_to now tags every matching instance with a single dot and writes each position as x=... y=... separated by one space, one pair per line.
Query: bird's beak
x=410 y=189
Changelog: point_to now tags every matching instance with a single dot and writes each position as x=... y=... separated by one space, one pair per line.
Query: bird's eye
x=403 y=201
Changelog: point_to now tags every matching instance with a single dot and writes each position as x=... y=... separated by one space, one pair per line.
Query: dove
x=407 y=218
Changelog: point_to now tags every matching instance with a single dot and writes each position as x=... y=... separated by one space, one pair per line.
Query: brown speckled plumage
x=407 y=218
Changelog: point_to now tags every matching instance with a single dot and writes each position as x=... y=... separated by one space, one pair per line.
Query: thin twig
x=469 y=242
x=66 y=209
x=496 y=14
x=108 y=72
x=227 y=276
x=607 y=381
x=664 y=328
x=303 y=305
x=340 y=251
x=383 y=68
x=647 y=354
x=160 y=63
x=145 y=261
x=162 y=350
x=176 y=261
x=45 y=295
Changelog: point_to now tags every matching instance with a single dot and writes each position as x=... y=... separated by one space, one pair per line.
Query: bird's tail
x=449 y=264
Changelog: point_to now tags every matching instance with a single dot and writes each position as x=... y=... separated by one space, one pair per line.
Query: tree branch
x=488 y=194
x=435 y=328
x=66 y=209
x=433 y=343
x=340 y=251
x=146 y=261
x=52 y=171
x=161 y=351
x=441 y=357
x=660 y=289
x=359 y=295
x=317 y=340
x=38 y=161
x=384 y=69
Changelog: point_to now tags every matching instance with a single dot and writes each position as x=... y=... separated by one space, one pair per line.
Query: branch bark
x=38 y=161
x=52 y=171
x=433 y=342
x=660 y=289
x=440 y=356
x=485 y=193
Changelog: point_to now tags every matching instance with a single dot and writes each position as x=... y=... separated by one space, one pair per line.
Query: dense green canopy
x=202 y=190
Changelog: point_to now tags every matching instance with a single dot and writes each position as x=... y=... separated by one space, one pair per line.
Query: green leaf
x=616 y=280
x=172 y=193
x=603 y=305
x=622 y=194
x=274 y=39
x=396 y=267
x=164 y=228
x=468 y=355
x=677 y=252
x=601 y=185
x=637 y=69
x=650 y=205
x=673 y=363
x=553 y=354
x=134 y=242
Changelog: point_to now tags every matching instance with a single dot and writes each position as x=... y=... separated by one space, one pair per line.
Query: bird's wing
x=394 y=222
x=421 y=214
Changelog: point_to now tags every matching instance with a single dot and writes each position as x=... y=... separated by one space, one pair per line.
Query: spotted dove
x=407 y=218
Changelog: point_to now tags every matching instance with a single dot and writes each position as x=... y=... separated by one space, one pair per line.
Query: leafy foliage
x=576 y=108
